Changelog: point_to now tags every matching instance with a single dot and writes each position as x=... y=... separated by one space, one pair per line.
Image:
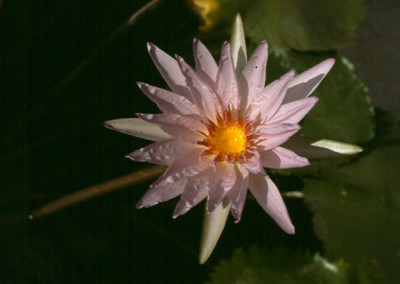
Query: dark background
x=53 y=143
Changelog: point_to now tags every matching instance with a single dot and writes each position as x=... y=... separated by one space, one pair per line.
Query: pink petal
x=253 y=76
x=281 y=158
x=162 y=153
x=195 y=191
x=168 y=102
x=267 y=102
x=253 y=165
x=221 y=180
x=206 y=67
x=227 y=86
x=157 y=194
x=238 y=193
x=169 y=70
x=293 y=112
x=184 y=167
x=305 y=83
x=273 y=136
x=178 y=126
x=268 y=196
x=205 y=99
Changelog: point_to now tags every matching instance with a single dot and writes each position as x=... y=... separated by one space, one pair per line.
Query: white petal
x=268 y=196
x=169 y=70
x=227 y=85
x=253 y=76
x=238 y=193
x=213 y=225
x=281 y=158
x=317 y=149
x=168 y=102
x=221 y=180
x=253 y=165
x=195 y=191
x=205 y=99
x=267 y=102
x=178 y=126
x=305 y=83
x=293 y=112
x=238 y=45
x=274 y=136
x=138 y=128
x=206 y=67
x=163 y=152
x=157 y=194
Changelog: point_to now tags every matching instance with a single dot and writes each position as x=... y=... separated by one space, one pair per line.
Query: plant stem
x=97 y=190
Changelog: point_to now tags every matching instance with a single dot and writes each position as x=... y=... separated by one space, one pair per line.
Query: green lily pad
x=308 y=25
x=358 y=226
x=377 y=172
x=259 y=266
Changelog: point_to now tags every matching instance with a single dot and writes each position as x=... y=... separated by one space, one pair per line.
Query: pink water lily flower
x=219 y=130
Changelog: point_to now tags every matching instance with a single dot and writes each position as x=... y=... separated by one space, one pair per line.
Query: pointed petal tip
x=238 y=17
x=129 y=157
x=139 y=205
x=150 y=46
x=210 y=207
x=330 y=61
x=141 y=84
x=290 y=229
x=178 y=212
x=180 y=60
x=264 y=44
x=107 y=124
x=144 y=116
x=289 y=75
x=327 y=65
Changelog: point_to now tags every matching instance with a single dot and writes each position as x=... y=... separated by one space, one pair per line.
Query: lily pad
x=278 y=266
x=309 y=25
x=360 y=227
x=377 y=172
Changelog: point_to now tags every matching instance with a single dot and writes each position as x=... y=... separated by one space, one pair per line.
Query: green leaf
x=259 y=266
x=376 y=172
x=360 y=227
x=308 y=25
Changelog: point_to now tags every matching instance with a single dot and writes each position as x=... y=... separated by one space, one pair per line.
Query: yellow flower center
x=230 y=140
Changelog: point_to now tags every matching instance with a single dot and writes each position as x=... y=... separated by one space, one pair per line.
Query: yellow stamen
x=230 y=140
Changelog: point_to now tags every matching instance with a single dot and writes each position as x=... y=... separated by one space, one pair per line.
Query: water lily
x=219 y=127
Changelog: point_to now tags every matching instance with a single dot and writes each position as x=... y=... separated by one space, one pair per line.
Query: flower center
x=230 y=140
